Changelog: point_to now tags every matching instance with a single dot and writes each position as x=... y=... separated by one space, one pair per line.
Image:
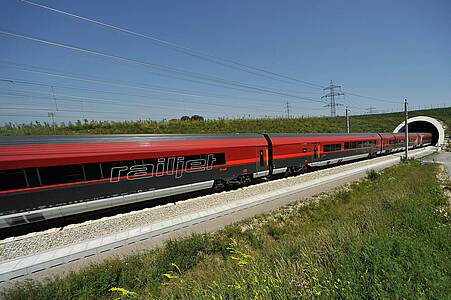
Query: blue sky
x=389 y=50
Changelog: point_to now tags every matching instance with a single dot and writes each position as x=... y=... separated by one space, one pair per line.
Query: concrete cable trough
x=26 y=265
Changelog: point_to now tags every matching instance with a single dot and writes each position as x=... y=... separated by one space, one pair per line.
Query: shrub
x=372 y=174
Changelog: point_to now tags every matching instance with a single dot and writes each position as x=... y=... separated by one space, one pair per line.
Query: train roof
x=341 y=134
x=109 y=138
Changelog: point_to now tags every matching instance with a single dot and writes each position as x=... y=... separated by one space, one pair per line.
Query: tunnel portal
x=425 y=124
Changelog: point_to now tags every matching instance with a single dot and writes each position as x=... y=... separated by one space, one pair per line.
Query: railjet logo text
x=163 y=166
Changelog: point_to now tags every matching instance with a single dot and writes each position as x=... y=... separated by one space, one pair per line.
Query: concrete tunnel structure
x=425 y=124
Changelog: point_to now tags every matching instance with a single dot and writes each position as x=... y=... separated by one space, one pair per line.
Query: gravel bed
x=57 y=237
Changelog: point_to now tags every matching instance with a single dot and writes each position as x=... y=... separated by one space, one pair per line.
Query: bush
x=372 y=174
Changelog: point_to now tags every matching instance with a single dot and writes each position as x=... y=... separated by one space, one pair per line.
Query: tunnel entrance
x=425 y=124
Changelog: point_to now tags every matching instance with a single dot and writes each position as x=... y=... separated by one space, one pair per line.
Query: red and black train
x=44 y=177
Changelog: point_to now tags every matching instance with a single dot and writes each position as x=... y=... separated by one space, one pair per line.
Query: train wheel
x=219 y=185
x=288 y=172
x=246 y=180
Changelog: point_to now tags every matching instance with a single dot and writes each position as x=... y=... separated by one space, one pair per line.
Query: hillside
x=386 y=237
x=376 y=122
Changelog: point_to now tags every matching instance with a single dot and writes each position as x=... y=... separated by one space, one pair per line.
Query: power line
x=66 y=116
x=28 y=108
x=114 y=83
x=90 y=79
x=153 y=88
x=181 y=48
x=81 y=99
x=253 y=107
x=193 y=52
x=47 y=109
x=372 y=98
x=170 y=69
x=189 y=51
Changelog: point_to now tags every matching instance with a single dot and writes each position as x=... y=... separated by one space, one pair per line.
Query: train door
x=262 y=162
x=316 y=152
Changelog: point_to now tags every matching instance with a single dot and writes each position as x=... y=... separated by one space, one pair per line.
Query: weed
x=124 y=294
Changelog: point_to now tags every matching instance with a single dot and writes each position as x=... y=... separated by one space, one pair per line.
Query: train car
x=399 y=143
x=296 y=152
x=425 y=139
x=413 y=140
x=52 y=176
x=389 y=143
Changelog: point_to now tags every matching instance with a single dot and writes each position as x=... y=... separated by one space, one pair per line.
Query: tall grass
x=377 y=122
x=388 y=237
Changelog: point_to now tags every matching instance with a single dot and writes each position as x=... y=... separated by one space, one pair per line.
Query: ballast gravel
x=40 y=241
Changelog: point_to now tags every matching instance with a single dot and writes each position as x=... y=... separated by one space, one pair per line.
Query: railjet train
x=45 y=177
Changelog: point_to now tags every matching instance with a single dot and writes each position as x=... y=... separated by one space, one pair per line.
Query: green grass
x=385 y=237
x=377 y=122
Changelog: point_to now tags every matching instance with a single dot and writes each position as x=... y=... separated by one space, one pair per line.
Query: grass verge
x=384 y=237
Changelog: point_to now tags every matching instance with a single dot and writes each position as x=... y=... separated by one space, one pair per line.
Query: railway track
x=57 y=251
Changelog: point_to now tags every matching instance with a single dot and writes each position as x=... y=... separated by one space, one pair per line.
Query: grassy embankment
x=385 y=237
x=377 y=122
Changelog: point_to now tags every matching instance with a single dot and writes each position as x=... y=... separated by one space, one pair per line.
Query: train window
x=61 y=174
x=92 y=171
x=332 y=147
x=33 y=177
x=361 y=144
x=262 y=159
x=350 y=145
x=12 y=179
x=370 y=143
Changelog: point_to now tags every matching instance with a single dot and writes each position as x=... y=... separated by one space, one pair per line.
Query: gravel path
x=57 y=237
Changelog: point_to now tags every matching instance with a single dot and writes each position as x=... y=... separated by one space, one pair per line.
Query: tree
x=197 y=118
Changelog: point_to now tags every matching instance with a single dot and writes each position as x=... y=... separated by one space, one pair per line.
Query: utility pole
x=83 y=109
x=406 y=127
x=56 y=108
x=371 y=110
x=331 y=95
x=54 y=98
x=288 y=109
x=52 y=116
x=347 y=120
